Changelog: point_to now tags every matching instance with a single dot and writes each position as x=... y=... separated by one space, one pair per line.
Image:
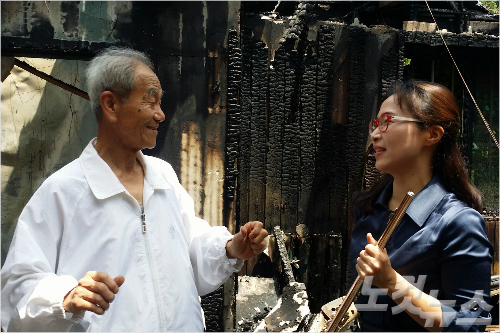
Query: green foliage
x=492 y=6
x=406 y=61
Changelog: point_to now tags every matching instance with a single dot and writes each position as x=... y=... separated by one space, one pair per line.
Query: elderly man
x=121 y=223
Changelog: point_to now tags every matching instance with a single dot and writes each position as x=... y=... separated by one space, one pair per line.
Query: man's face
x=139 y=117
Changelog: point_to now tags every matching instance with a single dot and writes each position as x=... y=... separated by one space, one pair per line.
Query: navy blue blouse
x=444 y=240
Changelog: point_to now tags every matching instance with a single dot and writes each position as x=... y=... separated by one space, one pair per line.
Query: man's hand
x=94 y=293
x=250 y=241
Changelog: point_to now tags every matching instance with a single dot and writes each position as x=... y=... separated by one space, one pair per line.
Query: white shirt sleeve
x=207 y=247
x=32 y=294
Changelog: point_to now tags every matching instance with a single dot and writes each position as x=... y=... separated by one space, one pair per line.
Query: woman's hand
x=373 y=261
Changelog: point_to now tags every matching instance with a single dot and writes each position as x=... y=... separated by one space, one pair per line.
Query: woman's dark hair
x=433 y=104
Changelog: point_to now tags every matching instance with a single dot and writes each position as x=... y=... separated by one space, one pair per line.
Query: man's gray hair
x=113 y=69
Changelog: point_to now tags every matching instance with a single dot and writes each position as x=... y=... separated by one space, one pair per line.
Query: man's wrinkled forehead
x=147 y=79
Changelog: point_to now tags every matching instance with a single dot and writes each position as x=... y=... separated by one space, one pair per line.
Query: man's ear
x=109 y=103
x=435 y=133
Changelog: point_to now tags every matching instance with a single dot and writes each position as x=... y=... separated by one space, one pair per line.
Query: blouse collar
x=423 y=204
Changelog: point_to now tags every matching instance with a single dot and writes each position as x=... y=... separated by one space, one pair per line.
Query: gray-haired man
x=121 y=223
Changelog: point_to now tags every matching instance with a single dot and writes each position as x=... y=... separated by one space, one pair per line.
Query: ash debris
x=254 y=300
x=260 y=309
x=289 y=312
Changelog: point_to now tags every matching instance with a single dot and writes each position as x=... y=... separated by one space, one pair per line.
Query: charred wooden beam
x=307 y=137
x=233 y=114
x=324 y=105
x=356 y=123
x=258 y=98
x=274 y=157
x=316 y=274
x=51 y=79
x=246 y=113
x=290 y=165
x=451 y=39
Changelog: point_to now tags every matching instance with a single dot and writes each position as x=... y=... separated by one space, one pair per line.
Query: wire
x=466 y=86
x=274 y=10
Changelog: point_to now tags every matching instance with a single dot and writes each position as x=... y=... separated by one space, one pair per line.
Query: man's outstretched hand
x=249 y=242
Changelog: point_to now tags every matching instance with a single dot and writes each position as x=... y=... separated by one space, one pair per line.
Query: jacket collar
x=422 y=204
x=102 y=180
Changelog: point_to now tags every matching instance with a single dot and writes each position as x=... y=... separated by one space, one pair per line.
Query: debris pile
x=260 y=307
x=254 y=300
x=290 y=312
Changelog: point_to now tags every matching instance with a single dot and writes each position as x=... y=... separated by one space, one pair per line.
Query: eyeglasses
x=383 y=122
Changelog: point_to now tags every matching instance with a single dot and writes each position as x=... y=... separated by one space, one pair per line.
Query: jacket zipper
x=143 y=223
x=153 y=274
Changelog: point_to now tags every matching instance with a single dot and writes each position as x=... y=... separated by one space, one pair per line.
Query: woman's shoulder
x=463 y=228
x=455 y=211
x=459 y=222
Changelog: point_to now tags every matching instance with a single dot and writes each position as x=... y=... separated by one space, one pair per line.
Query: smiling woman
x=438 y=259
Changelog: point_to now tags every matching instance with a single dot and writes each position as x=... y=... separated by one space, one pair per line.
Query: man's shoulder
x=70 y=176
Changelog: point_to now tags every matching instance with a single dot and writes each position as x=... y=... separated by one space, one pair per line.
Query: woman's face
x=397 y=149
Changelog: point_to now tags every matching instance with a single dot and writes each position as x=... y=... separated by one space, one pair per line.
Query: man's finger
x=260 y=237
x=119 y=280
x=98 y=287
x=244 y=231
x=239 y=237
x=262 y=243
x=258 y=248
x=93 y=298
x=104 y=278
x=82 y=304
x=256 y=227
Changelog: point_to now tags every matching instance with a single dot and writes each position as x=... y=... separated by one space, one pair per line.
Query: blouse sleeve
x=465 y=272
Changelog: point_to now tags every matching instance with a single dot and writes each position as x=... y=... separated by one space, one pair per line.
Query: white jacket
x=83 y=219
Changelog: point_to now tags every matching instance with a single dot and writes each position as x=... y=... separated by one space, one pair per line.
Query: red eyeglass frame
x=389 y=117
